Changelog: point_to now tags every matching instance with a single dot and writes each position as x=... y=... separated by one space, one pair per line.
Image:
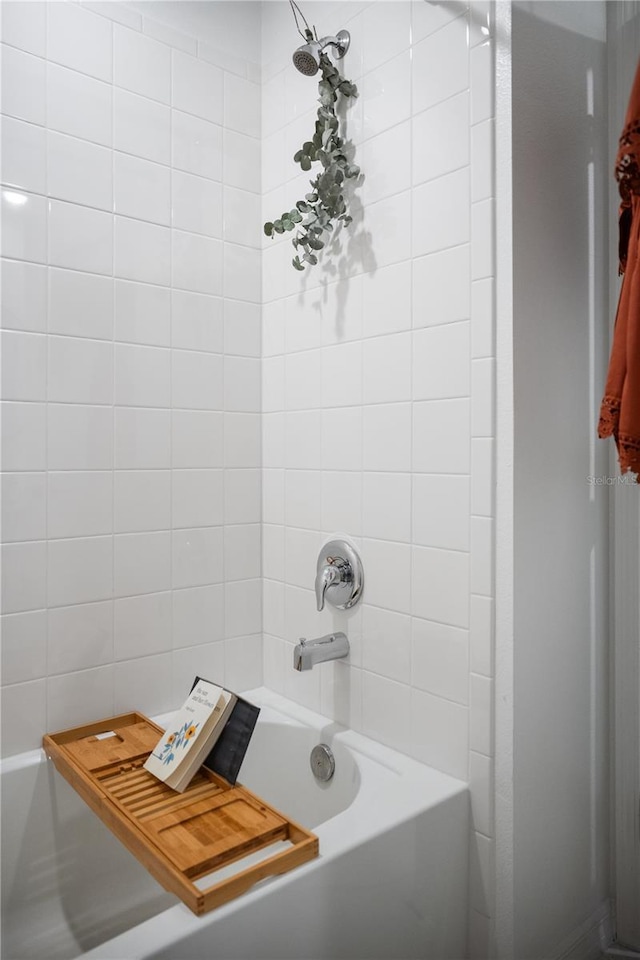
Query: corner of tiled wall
x=131 y=365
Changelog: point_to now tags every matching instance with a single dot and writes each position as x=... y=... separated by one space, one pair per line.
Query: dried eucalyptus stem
x=326 y=205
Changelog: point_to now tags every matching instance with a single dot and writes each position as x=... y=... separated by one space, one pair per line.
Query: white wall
x=131 y=370
x=560 y=320
x=378 y=392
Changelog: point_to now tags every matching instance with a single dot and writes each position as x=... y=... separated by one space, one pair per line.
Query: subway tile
x=388 y=571
x=242 y=217
x=79 y=39
x=242 y=333
x=23 y=86
x=142 y=625
x=242 y=552
x=242 y=105
x=440 y=585
x=341 y=439
x=115 y=12
x=142 y=376
x=141 y=501
x=242 y=272
x=242 y=386
x=441 y=436
x=441 y=213
x=441 y=362
x=24 y=436
x=388 y=222
x=24 y=155
x=342 y=502
x=198 y=615
x=482 y=92
x=441 y=287
x=80 y=371
x=241 y=161
x=273 y=384
x=196 y=204
x=173 y=38
x=273 y=499
x=481 y=787
x=386 y=643
x=148 y=681
x=141 y=64
x=197 y=145
x=79 y=171
x=78 y=105
x=439 y=735
x=243 y=662
x=80 y=304
x=427 y=18
x=302 y=498
x=80 y=238
x=386 y=159
x=273 y=552
x=24 y=576
x=481 y=714
x=386 y=95
x=79 y=437
x=386 y=300
x=142 y=439
x=243 y=608
x=440 y=139
x=441 y=65
x=483 y=397
x=197 y=321
x=141 y=563
x=440 y=660
x=386 y=714
x=303 y=378
x=482 y=880
x=386 y=437
x=142 y=251
x=386 y=32
x=79 y=570
x=197 y=87
x=141 y=126
x=197 y=380
x=25 y=26
x=207 y=659
x=482 y=239
x=242 y=496
x=24 y=508
x=273 y=607
x=141 y=189
x=24 y=226
x=481 y=630
x=197 y=498
x=24 y=646
x=76 y=698
x=440 y=516
x=197 y=557
x=24 y=295
x=482 y=477
x=197 y=438
x=274 y=437
x=387 y=369
x=386 y=506
x=142 y=313
x=24 y=366
x=482 y=318
x=482 y=556
x=482 y=160
x=341 y=374
x=79 y=504
x=24 y=716
x=196 y=263
x=79 y=637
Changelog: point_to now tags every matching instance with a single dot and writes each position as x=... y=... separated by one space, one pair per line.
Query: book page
x=192 y=722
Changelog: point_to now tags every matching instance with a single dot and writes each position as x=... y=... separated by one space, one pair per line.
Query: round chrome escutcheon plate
x=322 y=762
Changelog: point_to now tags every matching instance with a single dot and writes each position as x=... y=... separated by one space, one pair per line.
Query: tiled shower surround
x=162 y=516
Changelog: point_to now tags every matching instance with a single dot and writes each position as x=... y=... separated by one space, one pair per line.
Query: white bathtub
x=390 y=881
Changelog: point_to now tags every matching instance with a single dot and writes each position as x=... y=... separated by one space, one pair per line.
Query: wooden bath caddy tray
x=178 y=837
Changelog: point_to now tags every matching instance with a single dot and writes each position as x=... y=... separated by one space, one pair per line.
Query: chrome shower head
x=306 y=58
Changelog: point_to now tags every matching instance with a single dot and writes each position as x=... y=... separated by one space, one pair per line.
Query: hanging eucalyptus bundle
x=326 y=205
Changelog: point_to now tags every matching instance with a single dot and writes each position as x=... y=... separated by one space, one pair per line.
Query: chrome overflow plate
x=322 y=762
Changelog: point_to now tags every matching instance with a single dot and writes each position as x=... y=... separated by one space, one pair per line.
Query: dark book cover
x=228 y=752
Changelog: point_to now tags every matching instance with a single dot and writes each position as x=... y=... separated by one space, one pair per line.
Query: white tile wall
x=388 y=354
x=119 y=524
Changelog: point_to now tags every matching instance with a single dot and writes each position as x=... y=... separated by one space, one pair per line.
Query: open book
x=191 y=736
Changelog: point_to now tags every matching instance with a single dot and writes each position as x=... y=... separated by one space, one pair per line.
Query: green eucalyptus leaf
x=277 y=226
x=295 y=216
x=297 y=264
x=268 y=229
x=305 y=163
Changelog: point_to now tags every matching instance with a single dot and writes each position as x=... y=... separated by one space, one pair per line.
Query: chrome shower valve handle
x=339 y=576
